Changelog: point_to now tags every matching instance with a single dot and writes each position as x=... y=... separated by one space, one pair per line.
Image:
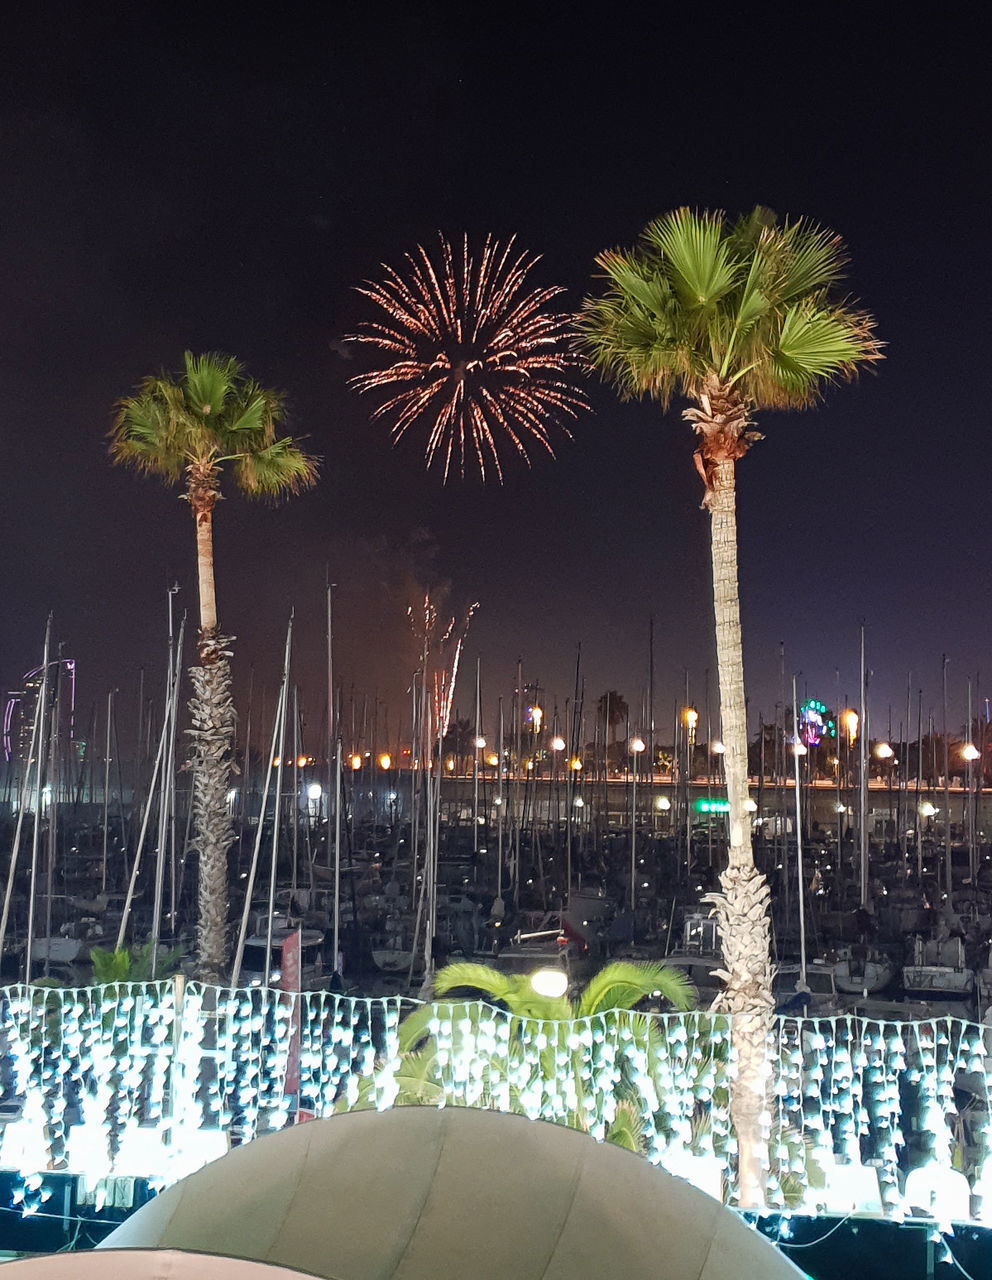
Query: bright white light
x=557 y=744
x=717 y=748
x=232 y=795
x=884 y=752
x=579 y=802
x=552 y=983
x=663 y=803
x=480 y=744
x=799 y=748
x=637 y=746
x=315 y=791
x=970 y=751
x=927 y=810
x=750 y=805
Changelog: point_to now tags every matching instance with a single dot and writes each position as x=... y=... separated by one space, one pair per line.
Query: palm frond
x=817 y=345
x=477 y=977
x=635 y=279
x=627 y=1128
x=147 y=436
x=416 y=1026
x=210 y=413
x=748 y=230
x=253 y=415
x=209 y=380
x=751 y=303
x=811 y=259
x=623 y=984
x=280 y=468
x=702 y=268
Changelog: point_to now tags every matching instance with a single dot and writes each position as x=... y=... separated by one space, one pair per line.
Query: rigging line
x=809 y=1244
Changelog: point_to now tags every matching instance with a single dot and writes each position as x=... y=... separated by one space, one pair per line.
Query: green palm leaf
x=749 y=303
x=702 y=268
x=811 y=259
x=627 y=1128
x=511 y=989
x=815 y=345
x=623 y=984
x=210 y=379
x=280 y=468
x=208 y=415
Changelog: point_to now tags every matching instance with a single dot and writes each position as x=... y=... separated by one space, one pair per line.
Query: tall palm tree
x=735 y=317
x=183 y=429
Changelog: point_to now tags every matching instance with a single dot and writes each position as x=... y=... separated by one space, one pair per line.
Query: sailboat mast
x=798 y=748
x=168 y=771
x=106 y=792
x=39 y=774
x=276 y=814
x=863 y=780
x=337 y=855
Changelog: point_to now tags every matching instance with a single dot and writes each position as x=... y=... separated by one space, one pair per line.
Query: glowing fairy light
x=471 y=353
x=112 y=1084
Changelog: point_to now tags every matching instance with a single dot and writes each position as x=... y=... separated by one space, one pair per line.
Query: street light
x=557 y=744
x=883 y=751
x=970 y=751
x=385 y=760
x=552 y=983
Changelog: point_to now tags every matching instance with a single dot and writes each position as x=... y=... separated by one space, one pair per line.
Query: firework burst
x=473 y=354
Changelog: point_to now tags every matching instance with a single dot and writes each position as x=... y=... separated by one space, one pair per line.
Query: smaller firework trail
x=474 y=355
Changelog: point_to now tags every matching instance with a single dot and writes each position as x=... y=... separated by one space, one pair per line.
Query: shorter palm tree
x=541 y=1054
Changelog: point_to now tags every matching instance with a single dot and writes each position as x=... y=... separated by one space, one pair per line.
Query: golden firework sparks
x=474 y=355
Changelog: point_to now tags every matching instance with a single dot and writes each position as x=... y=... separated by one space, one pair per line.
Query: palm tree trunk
x=205 y=569
x=212 y=734
x=212 y=759
x=742 y=907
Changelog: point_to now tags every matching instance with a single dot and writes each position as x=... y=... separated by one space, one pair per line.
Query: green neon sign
x=712 y=806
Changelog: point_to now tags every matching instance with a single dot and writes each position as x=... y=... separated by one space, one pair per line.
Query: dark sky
x=211 y=180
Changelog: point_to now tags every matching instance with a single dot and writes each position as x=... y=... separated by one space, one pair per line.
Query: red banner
x=289 y=980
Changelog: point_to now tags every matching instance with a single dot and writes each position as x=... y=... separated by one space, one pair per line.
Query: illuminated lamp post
x=885 y=754
x=718 y=750
x=557 y=747
x=849 y=723
x=799 y=749
x=690 y=718
x=636 y=747
x=479 y=744
x=970 y=754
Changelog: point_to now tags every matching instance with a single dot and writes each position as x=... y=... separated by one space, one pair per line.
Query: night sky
x=210 y=180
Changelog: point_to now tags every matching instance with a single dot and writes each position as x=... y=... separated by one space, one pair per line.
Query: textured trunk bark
x=742 y=907
x=212 y=735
